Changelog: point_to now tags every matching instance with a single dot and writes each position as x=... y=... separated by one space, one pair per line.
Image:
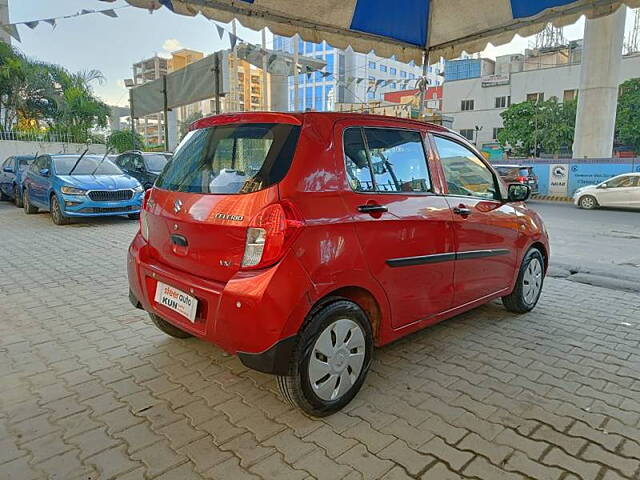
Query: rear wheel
x=56 y=212
x=528 y=287
x=331 y=360
x=26 y=204
x=167 y=328
x=17 y=196
x=588 y=202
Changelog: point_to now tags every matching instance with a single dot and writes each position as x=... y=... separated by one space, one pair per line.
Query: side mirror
x=603 y=185
x=518 y=192
x=7 y=169
x=44 y=172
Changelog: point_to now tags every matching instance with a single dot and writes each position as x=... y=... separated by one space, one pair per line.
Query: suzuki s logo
x=177 y=206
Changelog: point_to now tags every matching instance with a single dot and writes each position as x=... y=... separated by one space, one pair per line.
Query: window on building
x=569 y=95
x=411 y=76
x=467 y=133
x=372 y=65
x=319 y=46
x=501 y=102
x=496 y=131
x=466 y=105
x=537 y=97
x=318 y=101
x=383 y=68
x=371 y=95
x=308 y=97
x=330 y=59
x=403 y=74
x=308 y=47
x=393 y=71
x=372 y=78
x=393 y=85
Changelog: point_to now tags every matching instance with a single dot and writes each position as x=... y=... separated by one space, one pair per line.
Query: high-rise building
x=349 y=77
x=4 y=19
x=151 y=127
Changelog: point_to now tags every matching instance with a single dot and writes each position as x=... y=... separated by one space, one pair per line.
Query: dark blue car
x=80 y=186
x=11 y=177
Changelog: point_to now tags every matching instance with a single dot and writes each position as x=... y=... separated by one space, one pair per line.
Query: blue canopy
x=404 y=28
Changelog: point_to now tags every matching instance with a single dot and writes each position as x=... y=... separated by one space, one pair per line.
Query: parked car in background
x=145 y=166
x=518 y=174
x=77 y=185
x=621 y=191
x=300 y=241
x=11 y=177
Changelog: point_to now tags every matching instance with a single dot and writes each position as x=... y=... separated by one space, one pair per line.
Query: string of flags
x=12 y=28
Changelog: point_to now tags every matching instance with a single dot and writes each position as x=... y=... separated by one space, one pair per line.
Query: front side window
x=464 y=172
x=155 y=163
x=623 y=182
x=386 y=160
x=231 y=159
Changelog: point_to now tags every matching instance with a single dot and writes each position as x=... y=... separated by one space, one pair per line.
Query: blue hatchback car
x=11 y=177
x=80 y=186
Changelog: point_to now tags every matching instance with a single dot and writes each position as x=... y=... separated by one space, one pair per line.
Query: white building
x=351 y=77
x=478 y=102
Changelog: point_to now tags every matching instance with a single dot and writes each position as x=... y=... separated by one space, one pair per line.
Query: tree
x=531 y=127
x=628 y=114
x=123 y=140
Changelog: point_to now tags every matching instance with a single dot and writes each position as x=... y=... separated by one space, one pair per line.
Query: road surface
x=599 y=247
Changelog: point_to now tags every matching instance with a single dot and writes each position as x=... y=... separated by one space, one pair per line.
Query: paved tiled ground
x=90 y=389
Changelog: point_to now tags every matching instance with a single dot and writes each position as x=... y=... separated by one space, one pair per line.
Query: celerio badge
x=177 y=206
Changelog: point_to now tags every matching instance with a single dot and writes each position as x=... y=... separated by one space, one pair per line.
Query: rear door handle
x=372 y=209
x=462 y=210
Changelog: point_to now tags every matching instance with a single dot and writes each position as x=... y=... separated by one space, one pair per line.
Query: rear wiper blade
x=78 y=161
x=100 y=163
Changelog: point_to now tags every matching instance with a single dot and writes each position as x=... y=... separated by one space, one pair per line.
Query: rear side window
x=386 y=160
x=231 y=159
x=525 y=172
x=507 y=171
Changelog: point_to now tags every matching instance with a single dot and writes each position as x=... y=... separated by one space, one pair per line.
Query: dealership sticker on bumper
x=177 y=300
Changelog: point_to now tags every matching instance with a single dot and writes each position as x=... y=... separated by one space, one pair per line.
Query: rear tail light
x=269 y=235
x=522 y=179
x=144 y=221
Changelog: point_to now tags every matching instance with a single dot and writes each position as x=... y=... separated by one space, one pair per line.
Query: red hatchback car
x=300 y=241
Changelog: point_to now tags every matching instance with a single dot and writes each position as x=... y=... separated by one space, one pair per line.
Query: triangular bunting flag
x=51 y=21
x=326 y=74
x=360 y=80
x=85 y=12
x=12 y=30
x=168 y=4
x=233 y=39
x=220 y=31
x=109 y=13
x=32 y=25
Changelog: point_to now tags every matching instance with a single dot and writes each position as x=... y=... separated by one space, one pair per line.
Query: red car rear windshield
x=231 y=159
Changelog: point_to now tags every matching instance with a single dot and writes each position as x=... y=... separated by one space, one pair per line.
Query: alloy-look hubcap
x=587 y=202
x=532 y=281
x=337 y=359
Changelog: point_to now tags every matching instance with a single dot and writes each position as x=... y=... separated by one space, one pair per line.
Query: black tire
x=522 y=299
x=56 y=212
x=17 y=196
x=297 y=388
x=26 y=205
x=4 y=196
x=588 y=202
x=167 y=328
x=134 y=216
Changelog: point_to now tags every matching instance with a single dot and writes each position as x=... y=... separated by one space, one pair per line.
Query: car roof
x=298 y=118
x=144 y=153
x=511 y=166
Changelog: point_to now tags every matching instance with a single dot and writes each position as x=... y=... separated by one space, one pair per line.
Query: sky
x=113 y=45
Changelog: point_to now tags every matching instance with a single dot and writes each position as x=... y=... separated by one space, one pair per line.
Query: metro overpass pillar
x=598 y=90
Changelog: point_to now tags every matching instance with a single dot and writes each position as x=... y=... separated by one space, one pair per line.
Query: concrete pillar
x=4 y=19
x=598 y=90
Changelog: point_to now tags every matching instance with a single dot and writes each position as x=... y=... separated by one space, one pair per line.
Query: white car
x=621 y=191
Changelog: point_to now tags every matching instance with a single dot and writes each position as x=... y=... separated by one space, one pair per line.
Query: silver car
x=621 y=191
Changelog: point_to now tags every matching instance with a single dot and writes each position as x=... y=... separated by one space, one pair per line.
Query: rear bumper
x=255 y=315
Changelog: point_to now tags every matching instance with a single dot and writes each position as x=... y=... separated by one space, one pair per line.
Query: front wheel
x=26 y=204
x=56 y=212
x=588 y=202
x=528 y=287
x=17 y=196
x=331 y=359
